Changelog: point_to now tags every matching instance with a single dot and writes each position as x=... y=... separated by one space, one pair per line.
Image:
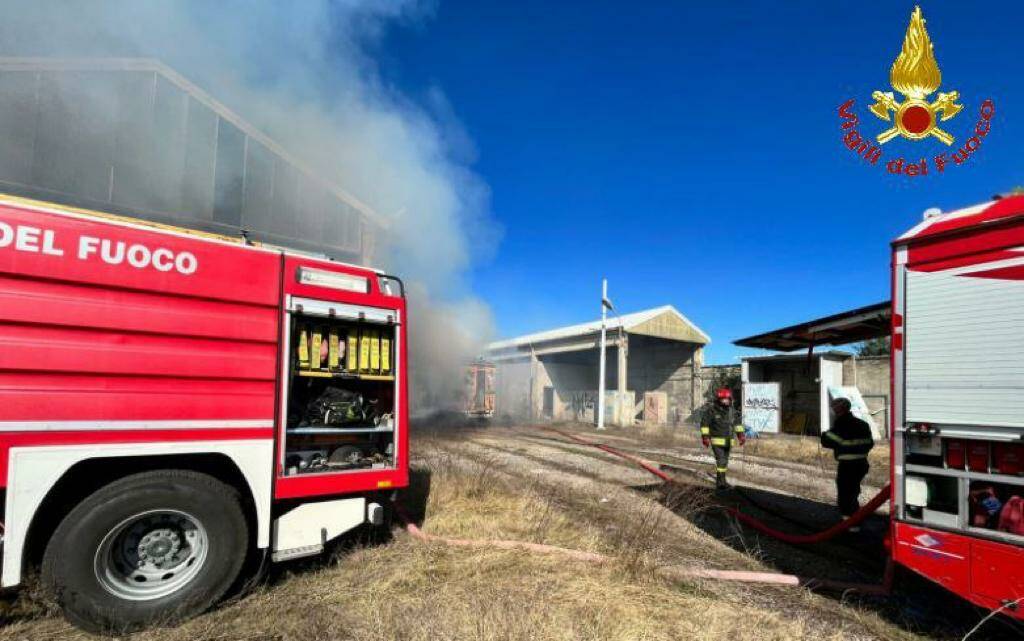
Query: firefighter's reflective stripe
x=721 y=442
x=832 y=436
x=705 y=430
x=740 y=430
x=721 y=470
x=851 y=457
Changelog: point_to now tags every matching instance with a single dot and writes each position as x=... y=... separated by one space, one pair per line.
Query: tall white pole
x=600 y=380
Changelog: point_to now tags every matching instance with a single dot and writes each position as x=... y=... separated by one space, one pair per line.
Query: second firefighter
x=850 y=440
x=718 y=430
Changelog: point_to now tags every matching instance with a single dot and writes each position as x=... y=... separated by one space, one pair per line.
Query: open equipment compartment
x=968 y=485
x=341 y=390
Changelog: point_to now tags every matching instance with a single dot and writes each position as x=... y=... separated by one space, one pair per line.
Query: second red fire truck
x=172 y=403
x=958 y=402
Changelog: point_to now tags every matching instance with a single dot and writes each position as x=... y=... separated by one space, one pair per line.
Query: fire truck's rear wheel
x=154 y=547
x=151 y=555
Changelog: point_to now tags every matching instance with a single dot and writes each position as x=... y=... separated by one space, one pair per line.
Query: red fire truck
x=174 y=403
x=958 y=402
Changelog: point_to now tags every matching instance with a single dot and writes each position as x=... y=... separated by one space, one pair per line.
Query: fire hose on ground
x=863 y=513
x=856 y=519
x=671 y=572
x=680 y=572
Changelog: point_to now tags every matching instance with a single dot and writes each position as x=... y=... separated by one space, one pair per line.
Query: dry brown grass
x=414 y=592
x=473 y=499
x=807 y=449
x=410 y=591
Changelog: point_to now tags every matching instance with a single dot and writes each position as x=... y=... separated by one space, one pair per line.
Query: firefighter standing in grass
x=850 y=441
x=718 y=430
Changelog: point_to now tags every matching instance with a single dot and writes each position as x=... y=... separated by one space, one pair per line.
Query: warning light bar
x=333 y=280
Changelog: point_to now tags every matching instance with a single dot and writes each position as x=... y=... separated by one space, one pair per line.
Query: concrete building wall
x=565 y=389
x=567 y=376
x=573 y=390
x=711 y=373
x=658 y=365
x=871 y=376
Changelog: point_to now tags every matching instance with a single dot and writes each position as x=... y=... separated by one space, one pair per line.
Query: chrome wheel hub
x=152 y=554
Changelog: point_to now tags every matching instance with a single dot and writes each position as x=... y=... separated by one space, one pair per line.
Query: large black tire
x=73 y=553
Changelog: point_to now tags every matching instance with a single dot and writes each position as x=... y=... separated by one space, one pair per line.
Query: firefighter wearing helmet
x=719 y=429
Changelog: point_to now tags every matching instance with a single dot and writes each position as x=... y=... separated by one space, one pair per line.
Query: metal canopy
x=863 y=323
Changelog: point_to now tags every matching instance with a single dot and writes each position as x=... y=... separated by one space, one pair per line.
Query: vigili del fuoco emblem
x=914 y=115
x=916 y=75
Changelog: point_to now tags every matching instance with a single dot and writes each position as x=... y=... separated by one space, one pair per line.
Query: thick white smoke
x=304 y=73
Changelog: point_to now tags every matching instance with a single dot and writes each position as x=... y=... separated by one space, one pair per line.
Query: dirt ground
x=528 y=484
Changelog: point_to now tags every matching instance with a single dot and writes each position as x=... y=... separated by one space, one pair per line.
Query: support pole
x=623 y=363
x=600 y=382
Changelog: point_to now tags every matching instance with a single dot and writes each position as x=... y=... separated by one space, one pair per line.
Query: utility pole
x=605 y=306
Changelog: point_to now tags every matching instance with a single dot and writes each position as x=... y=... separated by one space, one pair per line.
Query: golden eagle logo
x=915 y=74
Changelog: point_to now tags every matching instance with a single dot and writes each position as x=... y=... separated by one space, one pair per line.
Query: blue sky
x=692 y=153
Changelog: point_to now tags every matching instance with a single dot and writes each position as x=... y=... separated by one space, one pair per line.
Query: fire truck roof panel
x=988 y=213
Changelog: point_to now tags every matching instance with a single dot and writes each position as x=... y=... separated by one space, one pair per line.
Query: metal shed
x=807 y=381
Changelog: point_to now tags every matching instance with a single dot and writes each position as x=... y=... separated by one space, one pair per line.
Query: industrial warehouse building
x=653 y=374
x=133 y=137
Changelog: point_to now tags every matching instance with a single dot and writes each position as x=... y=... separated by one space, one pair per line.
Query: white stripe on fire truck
x=929 y=550
x=92 y=426
x=984 y=267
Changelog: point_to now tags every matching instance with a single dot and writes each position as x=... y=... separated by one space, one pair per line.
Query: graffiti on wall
x=582 y=404
x=761 y=407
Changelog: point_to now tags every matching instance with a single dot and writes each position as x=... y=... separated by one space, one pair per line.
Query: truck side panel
x=84 y=338
x=987 y=573
x=224 y=271
x=119 y=339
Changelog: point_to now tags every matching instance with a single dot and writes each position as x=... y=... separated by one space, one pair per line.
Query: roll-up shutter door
x=964 y=350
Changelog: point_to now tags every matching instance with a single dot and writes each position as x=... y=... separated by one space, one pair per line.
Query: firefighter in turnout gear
x=718 y=430
x=850 y=441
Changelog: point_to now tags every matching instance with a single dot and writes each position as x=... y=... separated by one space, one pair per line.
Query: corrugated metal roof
x=846 y=327
x=626 y=322
x=801 y=356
